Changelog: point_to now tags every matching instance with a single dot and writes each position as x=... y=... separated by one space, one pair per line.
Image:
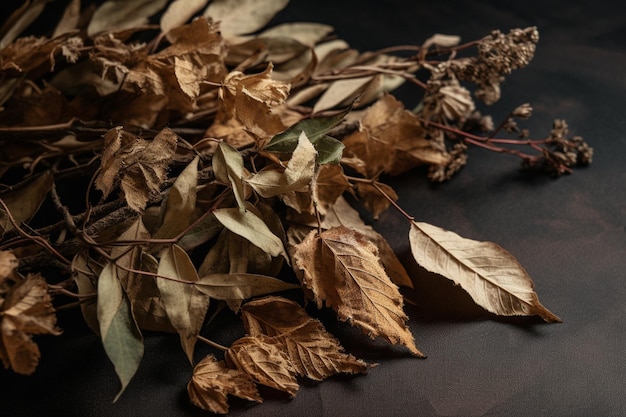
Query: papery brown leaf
x=250 y=99
x=342 y=92
x=213 y=381
x=241 y=17
x=19 y=20
x=142 y=164
x=69 y=20
x=26 y=310
x=229 y=170
x=342 y=269
x=491 y=275
x=392 y=140
x=263 y=359
x=315 y=353
x=328 y=185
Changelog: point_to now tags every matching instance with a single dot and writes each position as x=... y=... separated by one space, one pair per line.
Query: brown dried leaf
x=263 y=359
x=391 y=139
x=69 y=20
x=213 y=381
x=185 y=305
x=27 y=310
x=329 y=184
x=342 y=269
x=8 y=262
x=19 y=20
x=24 y=202
x=372 y=198
x=142 y=164
x=315 y=353
x=491 y=275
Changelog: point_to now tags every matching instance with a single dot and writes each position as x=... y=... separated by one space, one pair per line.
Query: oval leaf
x=491 y=275
x=240 y=286
x=241 y=17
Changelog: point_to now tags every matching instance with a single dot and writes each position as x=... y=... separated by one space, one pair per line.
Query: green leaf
x=201 y=233
x=180 y=203
x=240 y=286
x=251 y=227
x=316 y=130
x=186 y=307
x=228 y=169
x=121 y=338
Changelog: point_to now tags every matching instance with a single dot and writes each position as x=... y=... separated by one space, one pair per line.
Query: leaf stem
x=212 y=343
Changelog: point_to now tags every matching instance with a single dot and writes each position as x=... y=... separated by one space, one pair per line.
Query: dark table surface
x=569 y=233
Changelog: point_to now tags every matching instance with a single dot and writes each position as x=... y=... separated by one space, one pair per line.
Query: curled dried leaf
x=213 y=381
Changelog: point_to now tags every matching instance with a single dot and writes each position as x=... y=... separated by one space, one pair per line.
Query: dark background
x=569 y=233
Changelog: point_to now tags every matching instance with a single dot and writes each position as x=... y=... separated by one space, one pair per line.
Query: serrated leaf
x=213 y=381
x=186 y=307
x=121 y=338
x=492 y=276
x=180 y=203
x=251 y=227
x=314 y=352
x=228 y=168
x=263 y=360
x=342 y=270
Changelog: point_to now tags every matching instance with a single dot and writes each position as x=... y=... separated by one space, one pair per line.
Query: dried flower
x=523 y=111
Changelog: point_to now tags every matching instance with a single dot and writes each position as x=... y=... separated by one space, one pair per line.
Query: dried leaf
x=117 y=15
x=85 y=278
x=213 y=381
x=179 y=12
x=26 y=310
x=248 y=225
x=23 y=203
x=329 y=184
x=20 y=19
x=180 y=203
x=264 y=361
x=315 y=353
x=240 y=286
x=296 y=177
x=491 y=275
x=141 y=164
x=342 y=91
x=306 y=33
x=201 y=233
x=121 y=338
x=343 y=270
x=228 y=169
x=70 y=19
x=241 y=17
x=373 y=200
x=8 y=262
x=186 y=307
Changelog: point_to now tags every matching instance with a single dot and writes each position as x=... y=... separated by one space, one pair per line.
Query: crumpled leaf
x=263 y=359
x=492 y=276
x=141 y=164
x=26 y=310
x=8 y=262
x=117 y=15
x=342 y=270
x=241 y=17
x=185 y=305
x=250 y=226
x=296 y=177
x=390 y=139
x=213 y=381
x=315 y=353
x=373 y=200
x=121 y=338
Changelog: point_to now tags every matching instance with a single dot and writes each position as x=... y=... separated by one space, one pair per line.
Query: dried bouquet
x=165 y=163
